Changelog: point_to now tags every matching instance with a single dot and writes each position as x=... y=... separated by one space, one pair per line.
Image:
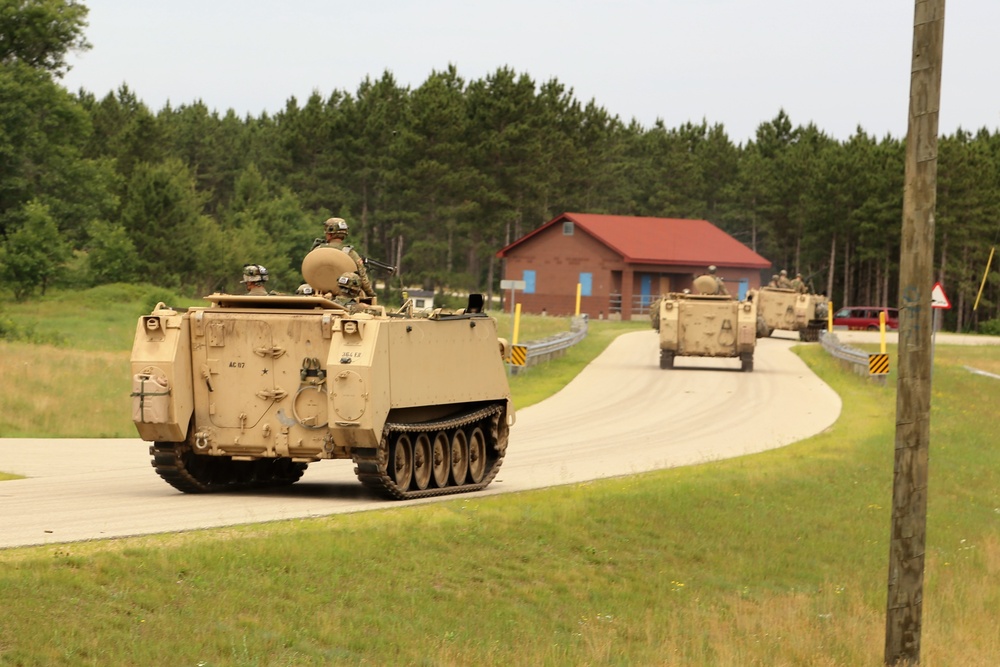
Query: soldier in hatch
x=783 y=281
x=335 y=230
x=349 y=289
x=254 y=277
x=720 y=287
x=798 y=284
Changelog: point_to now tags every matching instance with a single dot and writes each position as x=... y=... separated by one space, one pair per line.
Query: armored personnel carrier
x=788 y=310
x=249 y=390
x=700 y=324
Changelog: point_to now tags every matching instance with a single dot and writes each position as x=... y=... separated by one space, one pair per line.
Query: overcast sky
x=736 y=62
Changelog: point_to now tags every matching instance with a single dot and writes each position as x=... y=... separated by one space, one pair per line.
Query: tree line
x=436 y=179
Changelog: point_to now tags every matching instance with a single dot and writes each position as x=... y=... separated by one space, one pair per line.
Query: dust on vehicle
x=704 y=324
x=249 y=390
x=790 y=310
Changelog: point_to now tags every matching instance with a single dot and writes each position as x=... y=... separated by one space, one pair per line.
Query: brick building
x=622 y=263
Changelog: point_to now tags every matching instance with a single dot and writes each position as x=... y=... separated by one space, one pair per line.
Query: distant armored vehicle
x=706 y=325
x=788 y=310
x=249 y=390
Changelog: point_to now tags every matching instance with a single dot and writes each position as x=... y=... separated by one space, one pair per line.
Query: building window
x=567 y=228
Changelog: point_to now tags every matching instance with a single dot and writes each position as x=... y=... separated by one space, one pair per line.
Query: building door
x=615 y=294
x=744 y=287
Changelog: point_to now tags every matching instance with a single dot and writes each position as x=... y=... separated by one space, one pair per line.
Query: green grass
x=530 y=327
x=99 y=319
x=79 y=386
x=774 y=559
x=55 y=392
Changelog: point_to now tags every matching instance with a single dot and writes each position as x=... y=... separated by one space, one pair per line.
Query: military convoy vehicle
x=249 y=390
x=702 y=324
x=788 y=310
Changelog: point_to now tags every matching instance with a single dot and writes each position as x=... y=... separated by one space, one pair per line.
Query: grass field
x=774 y=559
x=77 y=382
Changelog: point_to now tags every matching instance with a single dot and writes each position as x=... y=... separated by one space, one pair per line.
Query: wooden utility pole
x=913 y=397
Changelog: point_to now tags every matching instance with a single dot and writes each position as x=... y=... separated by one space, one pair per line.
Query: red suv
x=865 y=317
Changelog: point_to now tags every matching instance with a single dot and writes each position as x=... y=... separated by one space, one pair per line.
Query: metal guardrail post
x=857 y=359
x=554 y=346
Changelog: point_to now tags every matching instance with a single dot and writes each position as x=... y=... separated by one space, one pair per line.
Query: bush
x=12 y=331
x=990 y=328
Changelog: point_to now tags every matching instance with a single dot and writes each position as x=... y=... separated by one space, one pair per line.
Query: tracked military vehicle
x=249 y=390
x=703 y=324
x=788 y=310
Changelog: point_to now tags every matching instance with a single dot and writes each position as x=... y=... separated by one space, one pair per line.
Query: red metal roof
x=659 y=240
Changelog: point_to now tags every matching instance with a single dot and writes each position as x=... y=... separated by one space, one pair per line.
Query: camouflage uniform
x=797 y=284
x=349 y=285
x=335 y=230
x=254 y=277
x=783 y=281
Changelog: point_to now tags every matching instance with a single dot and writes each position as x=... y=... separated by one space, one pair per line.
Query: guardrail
x=554 y=346
x=849 y=356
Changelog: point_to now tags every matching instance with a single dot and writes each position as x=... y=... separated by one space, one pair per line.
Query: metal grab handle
x=275 y=394
x=206 y=374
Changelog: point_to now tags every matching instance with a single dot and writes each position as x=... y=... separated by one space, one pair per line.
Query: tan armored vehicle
x=788 y=310
x=249 y=390
x=706 y=325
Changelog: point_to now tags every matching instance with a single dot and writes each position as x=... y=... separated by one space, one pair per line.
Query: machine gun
x=375 y=264
x=807 y=281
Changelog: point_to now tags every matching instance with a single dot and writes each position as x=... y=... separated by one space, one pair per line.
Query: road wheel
x=422 y=461
x=477 y=455
x=459 y=457
x=401 y=462
x=441 y=459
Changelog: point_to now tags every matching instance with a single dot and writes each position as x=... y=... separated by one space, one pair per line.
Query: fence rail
x=851 y=356
x=555 y=346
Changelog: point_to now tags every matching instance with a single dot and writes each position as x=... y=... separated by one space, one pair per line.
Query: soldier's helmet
x=784 y=272
x=774 y=277
x=254 y=273
x=349 y=283
x=711 y=268
x=305 y=289
x=336 y=226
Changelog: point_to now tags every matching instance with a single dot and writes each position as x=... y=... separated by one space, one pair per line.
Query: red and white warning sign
x=938 y=298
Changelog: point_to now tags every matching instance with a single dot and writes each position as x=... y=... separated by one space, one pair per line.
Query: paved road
x=891 y=337
x=621 y=415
